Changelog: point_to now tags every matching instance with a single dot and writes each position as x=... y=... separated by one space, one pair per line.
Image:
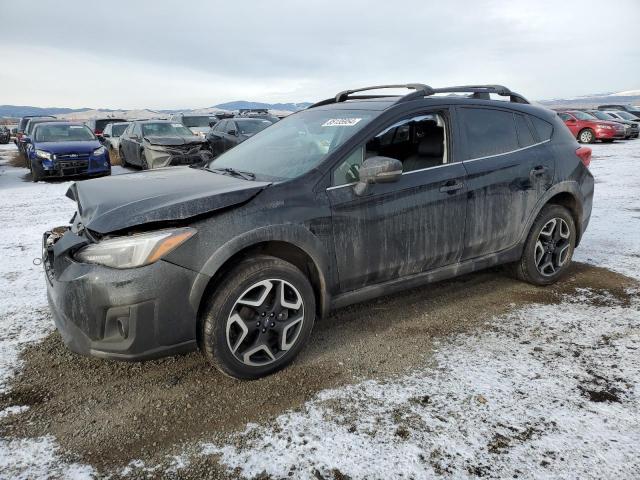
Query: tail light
x=585 y=155
x=97 y=131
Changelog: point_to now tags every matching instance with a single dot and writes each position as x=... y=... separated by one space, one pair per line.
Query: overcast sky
x=189 y=54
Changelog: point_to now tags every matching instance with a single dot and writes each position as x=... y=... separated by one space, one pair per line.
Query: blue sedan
x=62 y=149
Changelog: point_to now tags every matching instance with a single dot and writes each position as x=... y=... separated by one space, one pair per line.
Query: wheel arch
x=292 y=243
x=566 y=194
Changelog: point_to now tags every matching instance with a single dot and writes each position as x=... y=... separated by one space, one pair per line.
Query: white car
x=111 y=135
x=198 y=124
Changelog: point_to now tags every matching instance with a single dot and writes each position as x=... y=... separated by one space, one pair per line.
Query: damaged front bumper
x=158 y=157
x=121 y=314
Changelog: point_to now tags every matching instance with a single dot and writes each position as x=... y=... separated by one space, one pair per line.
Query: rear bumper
x=133 y=314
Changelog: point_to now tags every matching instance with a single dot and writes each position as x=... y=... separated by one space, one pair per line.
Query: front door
x=406 y=227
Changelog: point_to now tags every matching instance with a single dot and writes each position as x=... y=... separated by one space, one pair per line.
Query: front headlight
x=43 y=154
x=99 y=151
x=134 y=250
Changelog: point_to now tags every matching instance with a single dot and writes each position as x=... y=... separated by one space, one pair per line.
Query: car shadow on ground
x=108 y=412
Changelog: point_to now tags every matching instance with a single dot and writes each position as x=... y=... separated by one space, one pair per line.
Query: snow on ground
x=26 y=211
x=546 y=391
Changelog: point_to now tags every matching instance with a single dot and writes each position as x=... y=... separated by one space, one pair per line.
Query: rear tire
x=258 y=319
x=549 y=247
x=586 y=136
x=143 y=160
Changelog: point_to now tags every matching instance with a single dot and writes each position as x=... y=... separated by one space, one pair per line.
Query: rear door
x=509 y=167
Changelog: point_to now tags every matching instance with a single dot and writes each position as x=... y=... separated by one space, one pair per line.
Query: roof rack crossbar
x=480 y=91
x=420 y=91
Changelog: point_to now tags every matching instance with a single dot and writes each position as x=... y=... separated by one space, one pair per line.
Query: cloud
x=192 y=54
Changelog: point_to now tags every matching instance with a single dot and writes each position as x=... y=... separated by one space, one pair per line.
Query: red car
x=587 y=128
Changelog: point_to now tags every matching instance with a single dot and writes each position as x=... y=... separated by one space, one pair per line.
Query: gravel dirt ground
x=179 y=418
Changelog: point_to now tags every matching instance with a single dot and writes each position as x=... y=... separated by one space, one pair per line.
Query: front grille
x=73 y=167
x=72 y=156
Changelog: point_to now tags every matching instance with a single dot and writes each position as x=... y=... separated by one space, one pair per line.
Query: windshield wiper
x=233 y=172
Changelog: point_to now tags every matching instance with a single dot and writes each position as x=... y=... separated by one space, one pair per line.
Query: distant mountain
x=22 y=110
x=629 y=97
x=17 y=111
x=238 y=104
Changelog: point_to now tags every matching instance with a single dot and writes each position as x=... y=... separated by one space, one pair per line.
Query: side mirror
x=25 y=139
x=232 y=132
x=571 y=121
x=377 y=170
x=134 y=137
x=106 y=135
x=212 y=124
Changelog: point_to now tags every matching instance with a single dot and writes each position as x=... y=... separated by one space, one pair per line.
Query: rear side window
x=525 y=137
x=543 y=128
x=488 y=132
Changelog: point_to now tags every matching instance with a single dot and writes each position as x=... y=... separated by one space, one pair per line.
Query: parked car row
x=606 y=123
x=147 y=144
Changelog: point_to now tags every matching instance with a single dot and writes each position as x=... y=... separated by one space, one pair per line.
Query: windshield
x=117 y=130
x=583 y=116
x=165 y=130
x=49 y=132
x=626 y=115
x=249 y=127
x=295 y=145
x=200 y=121
x=601 y=115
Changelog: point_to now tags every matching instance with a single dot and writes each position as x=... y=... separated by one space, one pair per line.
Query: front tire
x=36 y=171
x=259 y=318
x=123 y=159
x=143 y=160
x=586 y=136
x=549 y=247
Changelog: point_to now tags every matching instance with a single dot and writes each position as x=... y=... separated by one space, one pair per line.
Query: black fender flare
x=294 y=234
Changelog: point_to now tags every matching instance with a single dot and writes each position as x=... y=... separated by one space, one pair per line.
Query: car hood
x=68 y=147
x=119 y=202
x=173 y=141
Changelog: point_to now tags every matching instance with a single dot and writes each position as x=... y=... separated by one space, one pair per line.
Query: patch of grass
x=15 y=159
x=115 y=158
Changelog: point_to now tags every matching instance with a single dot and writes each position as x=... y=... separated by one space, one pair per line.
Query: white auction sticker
x=341 y=122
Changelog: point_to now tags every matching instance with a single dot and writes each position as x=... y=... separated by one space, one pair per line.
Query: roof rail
x=420 y=91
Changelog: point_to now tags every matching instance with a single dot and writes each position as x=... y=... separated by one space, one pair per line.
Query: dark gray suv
x=358 y=196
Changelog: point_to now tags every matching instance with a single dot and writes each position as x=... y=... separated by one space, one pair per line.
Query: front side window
x=63 y=133
x=251 y=127
x=488 y=132
x=419 y=142
x=293 y=146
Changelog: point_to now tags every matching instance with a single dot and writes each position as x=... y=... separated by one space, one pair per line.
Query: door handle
x=451 y=187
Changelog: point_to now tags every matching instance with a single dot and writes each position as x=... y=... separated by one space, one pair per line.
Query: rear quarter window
x=488 y=132
x=543 y=128
x=525 y=137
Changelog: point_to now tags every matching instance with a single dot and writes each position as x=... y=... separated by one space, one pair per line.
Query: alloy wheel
x=265 y=322
x=586 y=136
x=552 y=247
